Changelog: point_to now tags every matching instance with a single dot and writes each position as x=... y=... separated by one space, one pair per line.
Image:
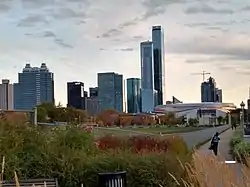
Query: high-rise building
x=208 y=91
x=133 y=95
x=110 y=91
x=92 y=102
x=35 y=86
x=248 y=106
x=148 y=94
x=218 y=95
x=159 y=63
x=147 y=65
x=6 y=95
x=75 y=92
x=93 y=92
x=92 y=106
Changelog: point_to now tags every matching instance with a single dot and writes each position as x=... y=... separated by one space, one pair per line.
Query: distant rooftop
x=108 y=73
x=156 y=27
x=147 y=42
x=29 y=68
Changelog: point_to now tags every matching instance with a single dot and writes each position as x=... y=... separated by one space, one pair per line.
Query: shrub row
x=142 y=144
x=240 y=148
x=75 y=157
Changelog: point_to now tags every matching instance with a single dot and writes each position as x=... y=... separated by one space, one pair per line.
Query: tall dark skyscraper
x=133 y=95
x=209 y=91
x=35 y=86
x=148 y=93
x=159 y=63
x=92 y=102
x=110 y=91
x=218 y=95
x=76 y=95
x=93 y=92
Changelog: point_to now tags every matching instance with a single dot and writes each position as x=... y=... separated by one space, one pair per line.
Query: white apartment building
x=6 y=95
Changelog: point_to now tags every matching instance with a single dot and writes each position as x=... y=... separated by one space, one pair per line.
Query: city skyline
x=35 y=34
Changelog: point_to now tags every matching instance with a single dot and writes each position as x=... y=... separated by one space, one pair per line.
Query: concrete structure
x=133 y=95
x=159 y=63
x=110 y=91
x=92 y=106
x=32 y=114
x=92 y=102
x=6 y=95
x=218 y=95
x=206 y=113
x=35 y=86
x=75 y=92
x=148 y=93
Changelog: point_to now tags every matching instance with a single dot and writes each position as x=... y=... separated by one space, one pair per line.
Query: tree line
x=48 y=112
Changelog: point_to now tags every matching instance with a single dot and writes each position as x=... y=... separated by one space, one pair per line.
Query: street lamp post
x=242 y=105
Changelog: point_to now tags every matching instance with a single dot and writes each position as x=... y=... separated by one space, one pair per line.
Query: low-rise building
x=206 y=113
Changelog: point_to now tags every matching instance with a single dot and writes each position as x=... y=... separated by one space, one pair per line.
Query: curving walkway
x=196 y=137
x=224 y=151
x=224 y=146
x=191 y=138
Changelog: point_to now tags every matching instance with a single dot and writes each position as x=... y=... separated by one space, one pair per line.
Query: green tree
x=41 y=114
x=220 y=119
x=50 y=108
x=193 y=121
x=225 y=119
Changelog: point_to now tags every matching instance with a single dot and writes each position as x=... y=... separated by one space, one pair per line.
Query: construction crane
x=204 y=73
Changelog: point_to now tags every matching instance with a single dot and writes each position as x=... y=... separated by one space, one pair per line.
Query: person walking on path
x=234 y=125
x=215 y=143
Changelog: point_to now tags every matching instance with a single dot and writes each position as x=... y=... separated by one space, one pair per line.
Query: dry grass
x=15 y=177
x=207 y=171
x=210 y=171
x=14 y=117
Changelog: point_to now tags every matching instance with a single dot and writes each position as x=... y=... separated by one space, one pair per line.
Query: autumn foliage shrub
x=138 y=144
x=75 y=157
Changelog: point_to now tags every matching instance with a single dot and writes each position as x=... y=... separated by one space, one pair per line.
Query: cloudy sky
x=79 y=38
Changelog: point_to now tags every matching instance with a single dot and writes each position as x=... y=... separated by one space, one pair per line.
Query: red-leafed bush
x=109 y=142
x=141 y=144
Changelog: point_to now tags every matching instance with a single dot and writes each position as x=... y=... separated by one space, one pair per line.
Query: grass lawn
x=117 y=132
x=168 y=130
x=152 y=131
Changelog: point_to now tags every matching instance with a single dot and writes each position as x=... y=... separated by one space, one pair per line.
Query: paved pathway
x=191 y=138
x=224 y=146
x=196 y=137
x=224 y=151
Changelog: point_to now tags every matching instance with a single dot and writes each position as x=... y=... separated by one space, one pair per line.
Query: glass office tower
x=110 y=91
x=133 y=95
x=147 y=77
x=159 y=63
x=75 y=92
